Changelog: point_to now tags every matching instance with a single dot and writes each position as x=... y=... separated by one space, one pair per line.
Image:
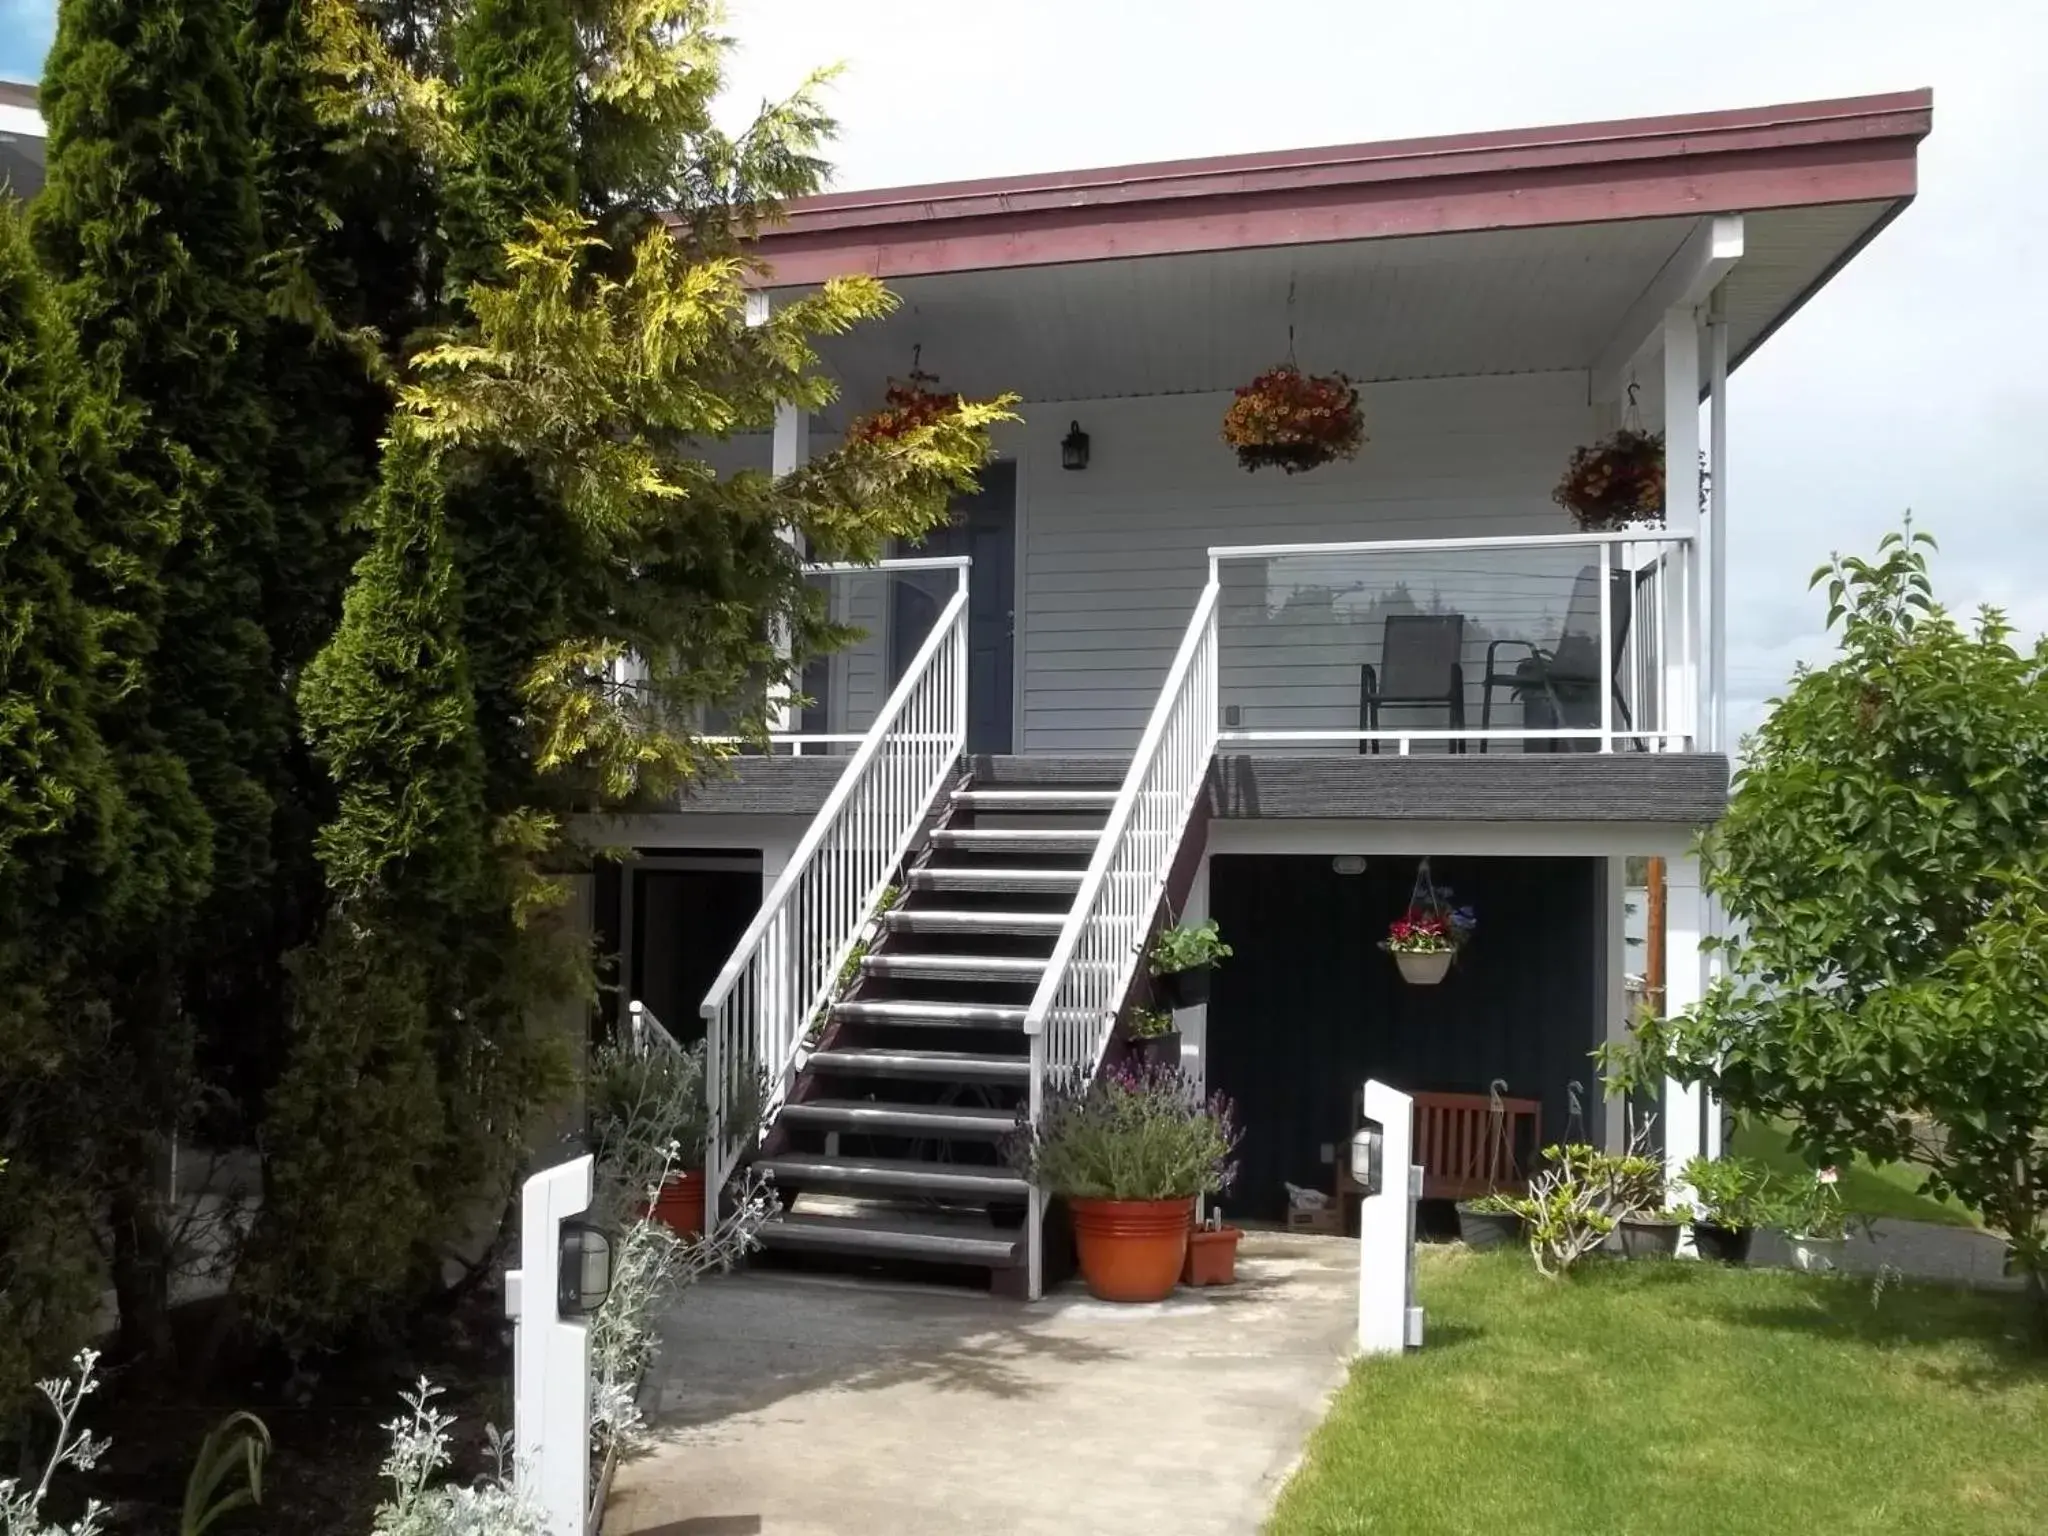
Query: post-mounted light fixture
x=1074 y=448
x=584 y=1277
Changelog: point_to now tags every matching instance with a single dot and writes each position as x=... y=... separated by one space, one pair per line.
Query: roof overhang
x=1855 y=150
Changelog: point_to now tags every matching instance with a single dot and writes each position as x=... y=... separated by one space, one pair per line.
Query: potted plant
x=1425 y=939
x=1615 y=482
x=1632 y=1186
x=1183 y=959
x=1129 y=1152
x=1815 y=1227
x=1729 y=1196
x=1294 y=421
x=906 y=406
x=1565 y=1215
x=1212 y=1254
x=648 y=1128
x=1491 y=1221
x=1153 y=1040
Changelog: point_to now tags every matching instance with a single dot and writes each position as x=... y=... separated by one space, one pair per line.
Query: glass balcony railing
x=1537 y=644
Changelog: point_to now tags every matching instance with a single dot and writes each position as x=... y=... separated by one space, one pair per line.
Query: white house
x=1134 y=682
x=21 y=140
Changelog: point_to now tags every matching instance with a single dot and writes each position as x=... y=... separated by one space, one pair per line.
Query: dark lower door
x=983 y=528
x=685 y=924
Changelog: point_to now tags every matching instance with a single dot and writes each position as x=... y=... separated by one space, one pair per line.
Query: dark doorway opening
x=688 y=912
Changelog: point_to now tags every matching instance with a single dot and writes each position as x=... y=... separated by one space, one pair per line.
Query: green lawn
x=1684 y=1399
x=1868 y=1189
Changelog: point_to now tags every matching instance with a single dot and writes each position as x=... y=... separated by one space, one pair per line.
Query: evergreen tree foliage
x=60 y=817
x=545 y=510
x=150 y=221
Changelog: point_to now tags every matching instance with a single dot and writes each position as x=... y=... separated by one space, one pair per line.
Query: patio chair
x=1419 y=668
x=1566 y=677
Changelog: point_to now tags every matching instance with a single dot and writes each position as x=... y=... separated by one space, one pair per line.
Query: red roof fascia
x=1854 y=150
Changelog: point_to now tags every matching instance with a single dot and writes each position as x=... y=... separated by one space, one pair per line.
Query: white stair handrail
x=1073 y=1013
x=758 y=1012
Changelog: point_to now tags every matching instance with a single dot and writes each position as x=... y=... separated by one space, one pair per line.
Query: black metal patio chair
x=1420 y=667
x=1564 y=680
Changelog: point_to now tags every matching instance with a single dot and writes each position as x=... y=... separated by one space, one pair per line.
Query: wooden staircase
x=889 y=1150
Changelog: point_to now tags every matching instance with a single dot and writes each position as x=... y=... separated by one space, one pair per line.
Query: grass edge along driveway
x=1678 y=1398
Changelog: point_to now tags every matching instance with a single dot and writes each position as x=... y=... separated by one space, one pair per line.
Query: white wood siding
x=1112 y=557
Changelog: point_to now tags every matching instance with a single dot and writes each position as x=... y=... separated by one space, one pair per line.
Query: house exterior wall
x=1111 y=558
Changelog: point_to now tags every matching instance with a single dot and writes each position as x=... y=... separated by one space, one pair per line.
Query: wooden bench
x=1466 y=1150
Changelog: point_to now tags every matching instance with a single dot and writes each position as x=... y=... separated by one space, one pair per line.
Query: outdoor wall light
x=1349 y=864
x=1074 y=447
x=583 y=1276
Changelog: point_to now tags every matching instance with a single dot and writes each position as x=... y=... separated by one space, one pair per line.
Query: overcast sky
x=1913 y=380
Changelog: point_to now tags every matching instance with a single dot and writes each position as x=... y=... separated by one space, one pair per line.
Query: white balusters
x=785 y=969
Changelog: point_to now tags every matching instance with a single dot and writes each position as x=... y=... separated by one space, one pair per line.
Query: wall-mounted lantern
x=1074 y=448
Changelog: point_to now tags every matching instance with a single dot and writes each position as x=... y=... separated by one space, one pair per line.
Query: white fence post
x=550 y=1356
x=1388 y=1319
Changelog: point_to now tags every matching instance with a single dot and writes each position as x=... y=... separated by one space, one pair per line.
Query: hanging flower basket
x=1615 y=482
x=1426 y=938
x=1294 y=421
x=907 y=405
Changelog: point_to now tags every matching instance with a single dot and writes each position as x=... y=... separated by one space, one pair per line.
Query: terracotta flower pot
x=1131 y=1250
x=1212 y=1256
x=1423 y=968
x=680 y=1206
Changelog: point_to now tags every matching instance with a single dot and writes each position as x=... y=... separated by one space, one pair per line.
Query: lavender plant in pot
x=1129 y=1152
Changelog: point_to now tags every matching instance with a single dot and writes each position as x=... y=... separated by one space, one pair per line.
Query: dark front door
x=983 y=528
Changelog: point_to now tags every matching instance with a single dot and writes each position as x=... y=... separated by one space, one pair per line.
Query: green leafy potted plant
x=1491 y=1221
x=1183 y=959
x=1129 y=1152
x=1730 y=1197
x=1816 y=1228
x=1152 y=1038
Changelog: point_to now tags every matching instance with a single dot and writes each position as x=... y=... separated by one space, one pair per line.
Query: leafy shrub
x=1131 y=1134
x=1730 y=1192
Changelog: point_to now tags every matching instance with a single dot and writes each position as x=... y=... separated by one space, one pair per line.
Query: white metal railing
x=1073 y=1012
x=646 y=1034
x=1588 y=641
x=758 y=1012
x=848 y=687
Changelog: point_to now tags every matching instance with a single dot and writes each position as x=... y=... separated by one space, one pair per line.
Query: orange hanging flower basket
x=1294 y=421
x=907 y=405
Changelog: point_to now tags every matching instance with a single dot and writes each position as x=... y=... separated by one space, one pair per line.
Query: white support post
x=1717 y=524
x=791 y=447
x=550 y=1356
x=1682 y=511
x=1685 y=915
x=1388 y=1319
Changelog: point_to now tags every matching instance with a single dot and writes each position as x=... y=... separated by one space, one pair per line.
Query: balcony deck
x=1681 y=788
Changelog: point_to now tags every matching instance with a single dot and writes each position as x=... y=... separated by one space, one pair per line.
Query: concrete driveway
x=790 y=1406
